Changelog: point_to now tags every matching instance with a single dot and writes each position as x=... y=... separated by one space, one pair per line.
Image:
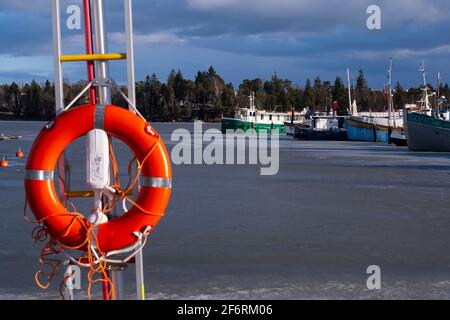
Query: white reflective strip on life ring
x=39 y=175
x=153 y=182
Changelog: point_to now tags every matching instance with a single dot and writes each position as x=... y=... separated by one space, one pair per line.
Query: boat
x=290 y=128
x=374 y=127
x=427 y=133
x=427 y=129
x=364 y=129
x=8 y=137
x=333 y=134
x=301 y=119
x=259 y=120
x=323 y=126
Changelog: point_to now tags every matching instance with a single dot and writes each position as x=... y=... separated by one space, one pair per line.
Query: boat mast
x=253 y=106
x=350 y=105
x=391 y=110
x=438 y=107
x=426 y=97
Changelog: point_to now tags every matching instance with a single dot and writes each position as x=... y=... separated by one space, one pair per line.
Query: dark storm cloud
x=314 y=36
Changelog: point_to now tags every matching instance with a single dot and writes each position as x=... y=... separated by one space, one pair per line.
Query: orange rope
x=54 y=247
x=123 y=193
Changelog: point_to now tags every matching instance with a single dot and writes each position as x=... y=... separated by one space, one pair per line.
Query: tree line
x=208 y=97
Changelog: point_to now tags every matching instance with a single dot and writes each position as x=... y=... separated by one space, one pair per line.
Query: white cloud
x=35 y=64
x=153 y=38
x=400 y=53
x=273 y=8
x=395 y=11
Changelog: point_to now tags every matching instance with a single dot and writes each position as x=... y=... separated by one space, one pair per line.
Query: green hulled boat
x=238 y=124
x=258 y=120
x=427 y=129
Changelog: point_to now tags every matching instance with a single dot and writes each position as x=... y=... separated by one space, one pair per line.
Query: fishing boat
x=289 y=128
x=302 y=119
x=333 y=134
x=427 y=129
x=259 y=120
x=374 y=127
x=8 y=137
x=377 y=127
x=323 y=126
x=366 y=129
x=427 y=133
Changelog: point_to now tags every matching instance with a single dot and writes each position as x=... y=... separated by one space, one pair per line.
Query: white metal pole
x=139 y=259
x=57 y=51
x=59 y=104
x=130 y=52
x=59 y=87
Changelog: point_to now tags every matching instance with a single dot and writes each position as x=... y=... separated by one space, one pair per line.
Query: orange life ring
x=156 y=179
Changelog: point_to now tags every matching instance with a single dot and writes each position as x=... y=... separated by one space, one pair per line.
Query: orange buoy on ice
x=4 y=163
x=156 y=177
x=20 y=154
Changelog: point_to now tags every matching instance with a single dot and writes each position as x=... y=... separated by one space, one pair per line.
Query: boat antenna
x=423 y=69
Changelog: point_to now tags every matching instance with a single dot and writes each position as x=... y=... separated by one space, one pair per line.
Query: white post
x=59 y=87
x=139 y=259
x=59 y=104
x=130 y=52
x=57 y=52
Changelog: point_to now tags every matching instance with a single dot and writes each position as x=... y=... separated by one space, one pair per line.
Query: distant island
x=208 y=97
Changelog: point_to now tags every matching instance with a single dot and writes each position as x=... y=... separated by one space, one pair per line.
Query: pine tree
x=33 y=107
x=48 y=101
x=308 y=95
x=340 y=96
x=228 y=100
x=399 y=96
x=362 y=92
x=14 y=96
x=318 y=94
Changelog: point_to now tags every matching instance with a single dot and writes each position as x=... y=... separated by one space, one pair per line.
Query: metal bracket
x=103 y=83
x=99 y=117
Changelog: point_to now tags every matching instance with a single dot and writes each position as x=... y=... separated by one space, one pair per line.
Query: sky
x=242 y=39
